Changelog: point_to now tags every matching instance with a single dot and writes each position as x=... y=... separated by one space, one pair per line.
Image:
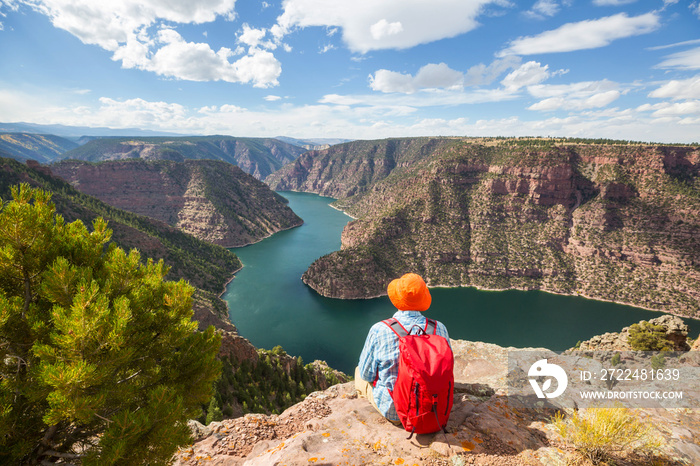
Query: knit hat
x=409 y=293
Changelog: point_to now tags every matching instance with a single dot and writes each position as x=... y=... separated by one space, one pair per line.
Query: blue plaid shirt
x=380 y=358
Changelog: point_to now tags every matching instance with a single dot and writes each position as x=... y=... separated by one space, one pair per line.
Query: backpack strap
x=396 y=326
x=430 y=327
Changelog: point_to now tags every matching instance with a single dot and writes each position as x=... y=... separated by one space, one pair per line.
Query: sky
x=361 y=69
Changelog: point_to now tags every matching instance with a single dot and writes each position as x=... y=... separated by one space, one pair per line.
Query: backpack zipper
x=417 y=399
x=449 y=390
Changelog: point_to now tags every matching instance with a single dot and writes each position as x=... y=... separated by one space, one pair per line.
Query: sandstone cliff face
x=611 y=222
x=256 y=156
x=213 y=201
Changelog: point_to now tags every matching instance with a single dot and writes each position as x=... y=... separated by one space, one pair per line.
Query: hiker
x=378 y=369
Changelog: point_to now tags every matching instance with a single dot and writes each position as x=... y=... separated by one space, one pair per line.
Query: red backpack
x=424 y=389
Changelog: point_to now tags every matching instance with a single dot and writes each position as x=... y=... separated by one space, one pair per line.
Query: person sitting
x=377 y=370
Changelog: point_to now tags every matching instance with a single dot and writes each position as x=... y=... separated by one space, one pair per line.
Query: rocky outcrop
x=256 y=156
x=612 y=222
x=485 y=428
x=211 y=200
x=676 y=333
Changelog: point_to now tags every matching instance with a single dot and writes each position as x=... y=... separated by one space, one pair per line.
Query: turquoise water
x=271 y=306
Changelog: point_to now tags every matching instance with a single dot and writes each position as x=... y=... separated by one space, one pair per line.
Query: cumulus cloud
x=528 y=74
x=109 y=23
x=383 y=28
x=666 y=109
x=391 y=24
x=686 y=60
x=679 y=89
x=576 y=96
x=583 y=35
x=135 y=32
x=177 y=58
x=430 y=76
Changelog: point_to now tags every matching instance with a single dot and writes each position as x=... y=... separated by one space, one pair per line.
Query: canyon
x=601 y=219
x=212 y=200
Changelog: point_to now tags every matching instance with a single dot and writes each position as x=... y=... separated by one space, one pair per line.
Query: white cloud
x=109 y=23
x=126 y=28
x=576 y=96
x=380 y=118
x=528 y=74
x=390 y=24
x=483 y=74
x=686 y=60
x=679 y=89
x=192 y=61
x=667 y=109
x=543 y=9
x=584 y=34
x=272 y=98
x=695 y=8
x=430 y=76
x=251 y=36
x=383 y=28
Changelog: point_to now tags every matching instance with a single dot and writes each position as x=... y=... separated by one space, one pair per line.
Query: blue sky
x=362 y=69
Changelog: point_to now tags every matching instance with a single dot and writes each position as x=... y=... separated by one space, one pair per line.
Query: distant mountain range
x=75 y=132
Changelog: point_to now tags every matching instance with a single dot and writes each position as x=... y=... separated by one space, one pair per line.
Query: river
x=270 y=305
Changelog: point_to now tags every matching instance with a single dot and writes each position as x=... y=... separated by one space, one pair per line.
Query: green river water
x=271 y=306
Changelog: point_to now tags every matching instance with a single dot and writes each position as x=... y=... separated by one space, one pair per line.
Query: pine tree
x=214 y=413
x=100 y=362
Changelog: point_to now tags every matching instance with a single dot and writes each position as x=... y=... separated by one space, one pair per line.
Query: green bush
x=646 y=336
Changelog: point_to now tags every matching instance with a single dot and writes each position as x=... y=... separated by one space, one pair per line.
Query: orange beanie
x=409 y=293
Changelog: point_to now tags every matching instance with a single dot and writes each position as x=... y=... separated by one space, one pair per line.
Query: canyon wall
x=211 y=200
x=609 y=221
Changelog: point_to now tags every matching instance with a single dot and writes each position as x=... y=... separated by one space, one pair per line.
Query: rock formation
x=485 y=428
x=256 y=156
x=211 y=200
x=676 y=333
x=608 y=221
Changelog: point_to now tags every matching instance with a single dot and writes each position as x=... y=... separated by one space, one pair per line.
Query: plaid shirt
x=380 y=358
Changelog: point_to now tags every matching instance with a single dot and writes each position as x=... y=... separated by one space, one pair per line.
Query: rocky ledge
x=335 y=427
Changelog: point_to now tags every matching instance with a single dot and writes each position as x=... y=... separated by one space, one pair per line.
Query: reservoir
x=270 y=305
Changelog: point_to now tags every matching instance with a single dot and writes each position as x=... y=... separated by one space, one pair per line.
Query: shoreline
x=495 y=290
x=480 y=288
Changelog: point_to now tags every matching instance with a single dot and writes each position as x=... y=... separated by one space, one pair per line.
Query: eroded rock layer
x=617 y=222
x=211 y=200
